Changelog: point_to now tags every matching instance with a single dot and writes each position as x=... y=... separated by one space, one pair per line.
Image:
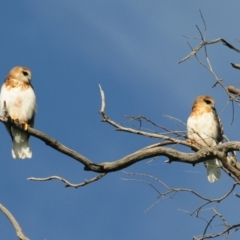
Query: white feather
x=21 y=104
x=213 y=170
x=20 y=148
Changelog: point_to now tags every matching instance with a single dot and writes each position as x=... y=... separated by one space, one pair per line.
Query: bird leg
x=25 y=126
x=14 y=119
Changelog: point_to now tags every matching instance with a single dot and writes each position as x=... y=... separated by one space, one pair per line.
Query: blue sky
x=131 y=48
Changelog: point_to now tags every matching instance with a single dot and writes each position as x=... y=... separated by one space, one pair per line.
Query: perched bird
x=205 y=130
x=17 y=97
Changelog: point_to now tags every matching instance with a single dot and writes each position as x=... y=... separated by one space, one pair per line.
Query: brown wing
x=8 y=127
x=31 y=121
x=220 y=126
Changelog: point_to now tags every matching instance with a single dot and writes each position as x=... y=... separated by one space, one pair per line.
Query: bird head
x=22 y=74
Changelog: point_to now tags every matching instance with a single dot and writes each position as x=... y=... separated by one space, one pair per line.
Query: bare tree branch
x=233 y=90
x=68 y=184
x=14 y=222
x=103 y=99
x=234 y=228
x=195 y=50
x=235 y=65
x=138 y=132
x=151 y=151
x=171 y=192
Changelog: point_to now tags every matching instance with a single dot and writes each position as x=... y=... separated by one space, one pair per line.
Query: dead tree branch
x=232 y=92
x=155 y=150
x=195 y=50
x=170 y=192
x=68 y=184
x=14 y=222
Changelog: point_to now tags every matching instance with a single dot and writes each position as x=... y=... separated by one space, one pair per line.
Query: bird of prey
x=17 y=97
x=205 y=130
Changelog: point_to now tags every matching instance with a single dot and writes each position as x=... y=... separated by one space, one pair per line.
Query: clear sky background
x=131 y=48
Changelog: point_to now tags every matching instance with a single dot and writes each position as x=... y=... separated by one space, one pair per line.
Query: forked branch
x=155 y=150
x=164 y=192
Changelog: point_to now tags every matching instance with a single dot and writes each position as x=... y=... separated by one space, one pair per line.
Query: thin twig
x=68 y=184
x=103 y=106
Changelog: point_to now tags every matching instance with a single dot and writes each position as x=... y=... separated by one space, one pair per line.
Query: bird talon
x=25 y=126
x=14 y=119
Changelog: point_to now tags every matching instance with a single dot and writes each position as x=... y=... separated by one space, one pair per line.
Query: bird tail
x=20 y=148
x=213 y=170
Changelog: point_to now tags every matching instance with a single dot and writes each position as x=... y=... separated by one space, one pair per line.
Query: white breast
x=203 y=129
x=20 y=104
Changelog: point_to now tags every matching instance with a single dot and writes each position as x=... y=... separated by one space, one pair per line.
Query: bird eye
x=25 y=73
x=207 y=101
